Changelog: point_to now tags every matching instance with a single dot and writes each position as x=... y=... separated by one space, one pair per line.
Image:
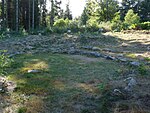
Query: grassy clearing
x=65 y=82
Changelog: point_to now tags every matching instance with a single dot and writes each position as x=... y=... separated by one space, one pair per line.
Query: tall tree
x=52 y=13
x=17 y=17
x=144 y=10
x=127 y=5
x=44 y=11
x=29 y=15
x=107 y=9
x=33 y=14
x=67 y=13
x=3 y=14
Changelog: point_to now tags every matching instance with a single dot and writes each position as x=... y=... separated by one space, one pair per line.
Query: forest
x=32 y=15
x=74 y=56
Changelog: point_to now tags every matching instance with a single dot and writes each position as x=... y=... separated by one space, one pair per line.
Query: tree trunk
x=3 y=15
x=29 y=21
x=52 y=13
x=33 y=14
x=17 y=17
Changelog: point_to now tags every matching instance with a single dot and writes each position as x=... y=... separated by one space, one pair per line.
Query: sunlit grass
x=61 y=77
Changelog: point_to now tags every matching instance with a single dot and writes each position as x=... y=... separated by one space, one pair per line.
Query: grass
x=61 y=81
x=78 y=84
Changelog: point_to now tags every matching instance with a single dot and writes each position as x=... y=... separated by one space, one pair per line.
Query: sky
x=76 y=6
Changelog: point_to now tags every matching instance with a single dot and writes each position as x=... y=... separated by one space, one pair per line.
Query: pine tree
x=67 y=13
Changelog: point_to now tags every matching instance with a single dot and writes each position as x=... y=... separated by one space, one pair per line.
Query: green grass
x=61 y=79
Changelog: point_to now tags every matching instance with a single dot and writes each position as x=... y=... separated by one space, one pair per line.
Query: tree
x=107 y=9
x=89 y=11
x=67 y=13
x=17 y=17
x=52 y=13
x=33 y=10
x=3 y=14
x=131 y=18
x=144 y=10
x=84 y=17
x=127 y=5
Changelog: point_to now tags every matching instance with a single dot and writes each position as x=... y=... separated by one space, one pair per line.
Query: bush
x=131 y=18
x=74 y=25
x=116 y=23
x=61 y=23
x=105 y=25
x=92 y=25
x=145 y=25
x=5 y=62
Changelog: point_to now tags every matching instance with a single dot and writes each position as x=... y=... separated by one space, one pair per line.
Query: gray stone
x=122 y=59
x=107 y=49
x=110 y=58
x=33 y=71
x=10 y=86
x=135 y=63
x=69 y=31
x=131 y=83
x=96 y=49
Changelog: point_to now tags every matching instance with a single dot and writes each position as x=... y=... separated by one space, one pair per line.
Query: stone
x=107 y=49
x=101 y=30
x=69 y=31
x=29 y=47
x=134 y=63
x=122 y=59
x=10 y=86
x=33 y=71
x=120 y=55
x=96 y=49
x=110 y=58
x=131 y=83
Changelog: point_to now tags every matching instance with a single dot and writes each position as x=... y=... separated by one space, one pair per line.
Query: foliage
x=105 y=25
x=61 y=23
x=67 y=13
x=116 y=23
x=131 y=18
x=145 y=25
x=92 y=25
x=142 y=70
x=144 y=9
x=107 y=9
x=84 y=17
x=5 y=62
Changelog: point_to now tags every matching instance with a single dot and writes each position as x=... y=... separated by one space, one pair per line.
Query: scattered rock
x=122 y=59
x=10 y=86
x=96 y=49
x=33 y=71
x=69 y=31
x=107 y=49
x=134 y=63
x=94 y=54
x=6 y=86
x=110 y=58
x=131 y=83
x=87 y=47
x=120 y=55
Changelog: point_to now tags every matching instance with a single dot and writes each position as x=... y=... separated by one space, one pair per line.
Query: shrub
x=131 y=18
x=61 y=23
x=105 y=25
x=116 y=23
x=5 y=62
x=74 y=25
x=145 y=25
x=92 y=25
